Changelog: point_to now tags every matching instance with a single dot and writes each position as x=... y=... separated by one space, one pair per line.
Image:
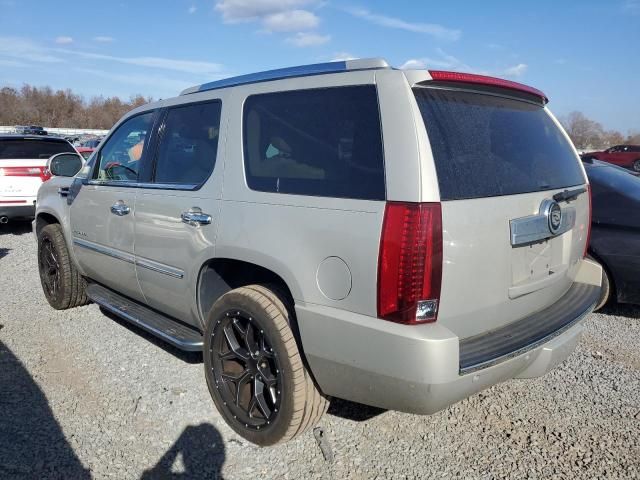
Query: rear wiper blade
x=568 y=195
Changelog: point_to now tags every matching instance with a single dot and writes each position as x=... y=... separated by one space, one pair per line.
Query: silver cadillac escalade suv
x=401 y=239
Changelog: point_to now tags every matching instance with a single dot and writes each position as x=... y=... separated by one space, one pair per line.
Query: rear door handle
x=63 y=191
x=120 y=209
x=195 y=217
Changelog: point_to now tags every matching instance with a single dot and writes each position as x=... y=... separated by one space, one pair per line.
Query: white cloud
x=342 y=56
x=516 y=71
x=192 y=9
x=302 y=39
x=26 y=50
x=449 y=62
x=433 y=29
x=160 y=85
x=290 y=21
x=103 y=39
x=443 y=60
x=64 y=40
x=247 y=10
x=187 y=66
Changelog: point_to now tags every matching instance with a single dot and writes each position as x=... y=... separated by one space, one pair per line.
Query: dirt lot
x=84 y=395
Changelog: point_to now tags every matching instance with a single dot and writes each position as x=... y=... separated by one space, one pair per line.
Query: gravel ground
x=83 y=395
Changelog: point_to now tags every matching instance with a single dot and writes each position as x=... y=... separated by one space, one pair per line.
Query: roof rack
x=290 y=72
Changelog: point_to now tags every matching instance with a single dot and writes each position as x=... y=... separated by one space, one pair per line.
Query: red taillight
x=484 y=80
x=586 y=245
x=41 y=172
x=410 y=262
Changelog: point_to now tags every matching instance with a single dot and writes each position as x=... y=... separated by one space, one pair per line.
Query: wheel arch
x=43 y=219
x=612 y=280
x=218 y=276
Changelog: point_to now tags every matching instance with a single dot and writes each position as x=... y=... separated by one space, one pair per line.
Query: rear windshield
x=22 y=149
x=486 y=146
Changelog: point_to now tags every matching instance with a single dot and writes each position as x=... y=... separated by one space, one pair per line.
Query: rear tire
x=254 y=370
x=62 y=284
x=605 y=291
x=636 y=165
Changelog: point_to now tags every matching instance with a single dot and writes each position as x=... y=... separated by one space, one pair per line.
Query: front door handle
x=63 y=191
x=195 y=217
x=120 y=208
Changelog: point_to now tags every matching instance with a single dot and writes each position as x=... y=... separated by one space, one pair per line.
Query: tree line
x=44 y=106
x=31 y=105
x=589 y=134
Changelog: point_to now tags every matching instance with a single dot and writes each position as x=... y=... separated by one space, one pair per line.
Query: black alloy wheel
x=49 y=267
x=246 y=369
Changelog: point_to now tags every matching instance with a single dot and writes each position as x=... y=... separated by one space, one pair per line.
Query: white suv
x=23 y=160
x=398 y=239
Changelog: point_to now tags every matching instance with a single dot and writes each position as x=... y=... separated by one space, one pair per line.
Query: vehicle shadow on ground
x=201 y=451
x=188 y=357
x=17 y=227
x=4 y=252
x=356 y=412
x=32 y=444
x=621 y=310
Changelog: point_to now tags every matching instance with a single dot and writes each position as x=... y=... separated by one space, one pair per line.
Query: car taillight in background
x=586 y=245
x=41 y=172
x=410 y=262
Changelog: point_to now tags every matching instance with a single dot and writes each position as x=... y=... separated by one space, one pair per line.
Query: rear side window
x=321 y=142
x=487 y=146
x=189 y=144
x=23 y=149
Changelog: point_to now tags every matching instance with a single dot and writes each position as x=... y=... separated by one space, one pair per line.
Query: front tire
x=254 y=369
x=636 y=165
x=62 y=284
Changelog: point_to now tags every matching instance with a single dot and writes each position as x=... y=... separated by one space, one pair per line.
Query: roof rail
x=290 y=72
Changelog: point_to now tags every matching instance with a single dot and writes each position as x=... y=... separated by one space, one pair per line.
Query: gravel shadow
x=16 y=227
x=32 y=444
x=621 y=310
x=202 y=450
x=187 y=357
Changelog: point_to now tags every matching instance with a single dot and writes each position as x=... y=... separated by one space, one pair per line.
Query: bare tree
x=584 y=133
x=62 y=108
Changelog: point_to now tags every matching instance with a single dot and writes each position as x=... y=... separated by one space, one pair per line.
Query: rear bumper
x=423 y=369
x=18 y=210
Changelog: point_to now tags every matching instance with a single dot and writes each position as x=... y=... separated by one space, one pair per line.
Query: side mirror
x=65 y=164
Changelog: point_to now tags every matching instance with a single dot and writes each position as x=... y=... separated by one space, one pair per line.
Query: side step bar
x=166 y=328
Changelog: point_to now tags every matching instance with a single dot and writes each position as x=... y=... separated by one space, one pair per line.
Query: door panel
x=102 y=212
x=102 y=240
x=170 y=249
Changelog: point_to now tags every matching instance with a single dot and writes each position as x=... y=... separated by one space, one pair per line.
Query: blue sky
x=584 y=54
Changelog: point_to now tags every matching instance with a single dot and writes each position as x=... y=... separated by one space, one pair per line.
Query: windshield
x=485 y=145
x=22 y=149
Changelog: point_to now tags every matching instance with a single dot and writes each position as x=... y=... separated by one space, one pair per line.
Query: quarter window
x=322 y=142
x=189 y=144
x=121 y=157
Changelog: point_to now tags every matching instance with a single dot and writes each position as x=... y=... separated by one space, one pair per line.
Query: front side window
x=120 y=158
x=189 y=144
x=321 y=142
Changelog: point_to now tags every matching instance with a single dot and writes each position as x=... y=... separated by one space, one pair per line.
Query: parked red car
x=85 y=151
x=627 y=156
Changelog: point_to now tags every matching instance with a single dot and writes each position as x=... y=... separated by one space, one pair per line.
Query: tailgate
x=487 y=281
x=13 y=185
x=509 y=248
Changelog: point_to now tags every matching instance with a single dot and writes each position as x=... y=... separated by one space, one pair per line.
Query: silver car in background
x=401 y=239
